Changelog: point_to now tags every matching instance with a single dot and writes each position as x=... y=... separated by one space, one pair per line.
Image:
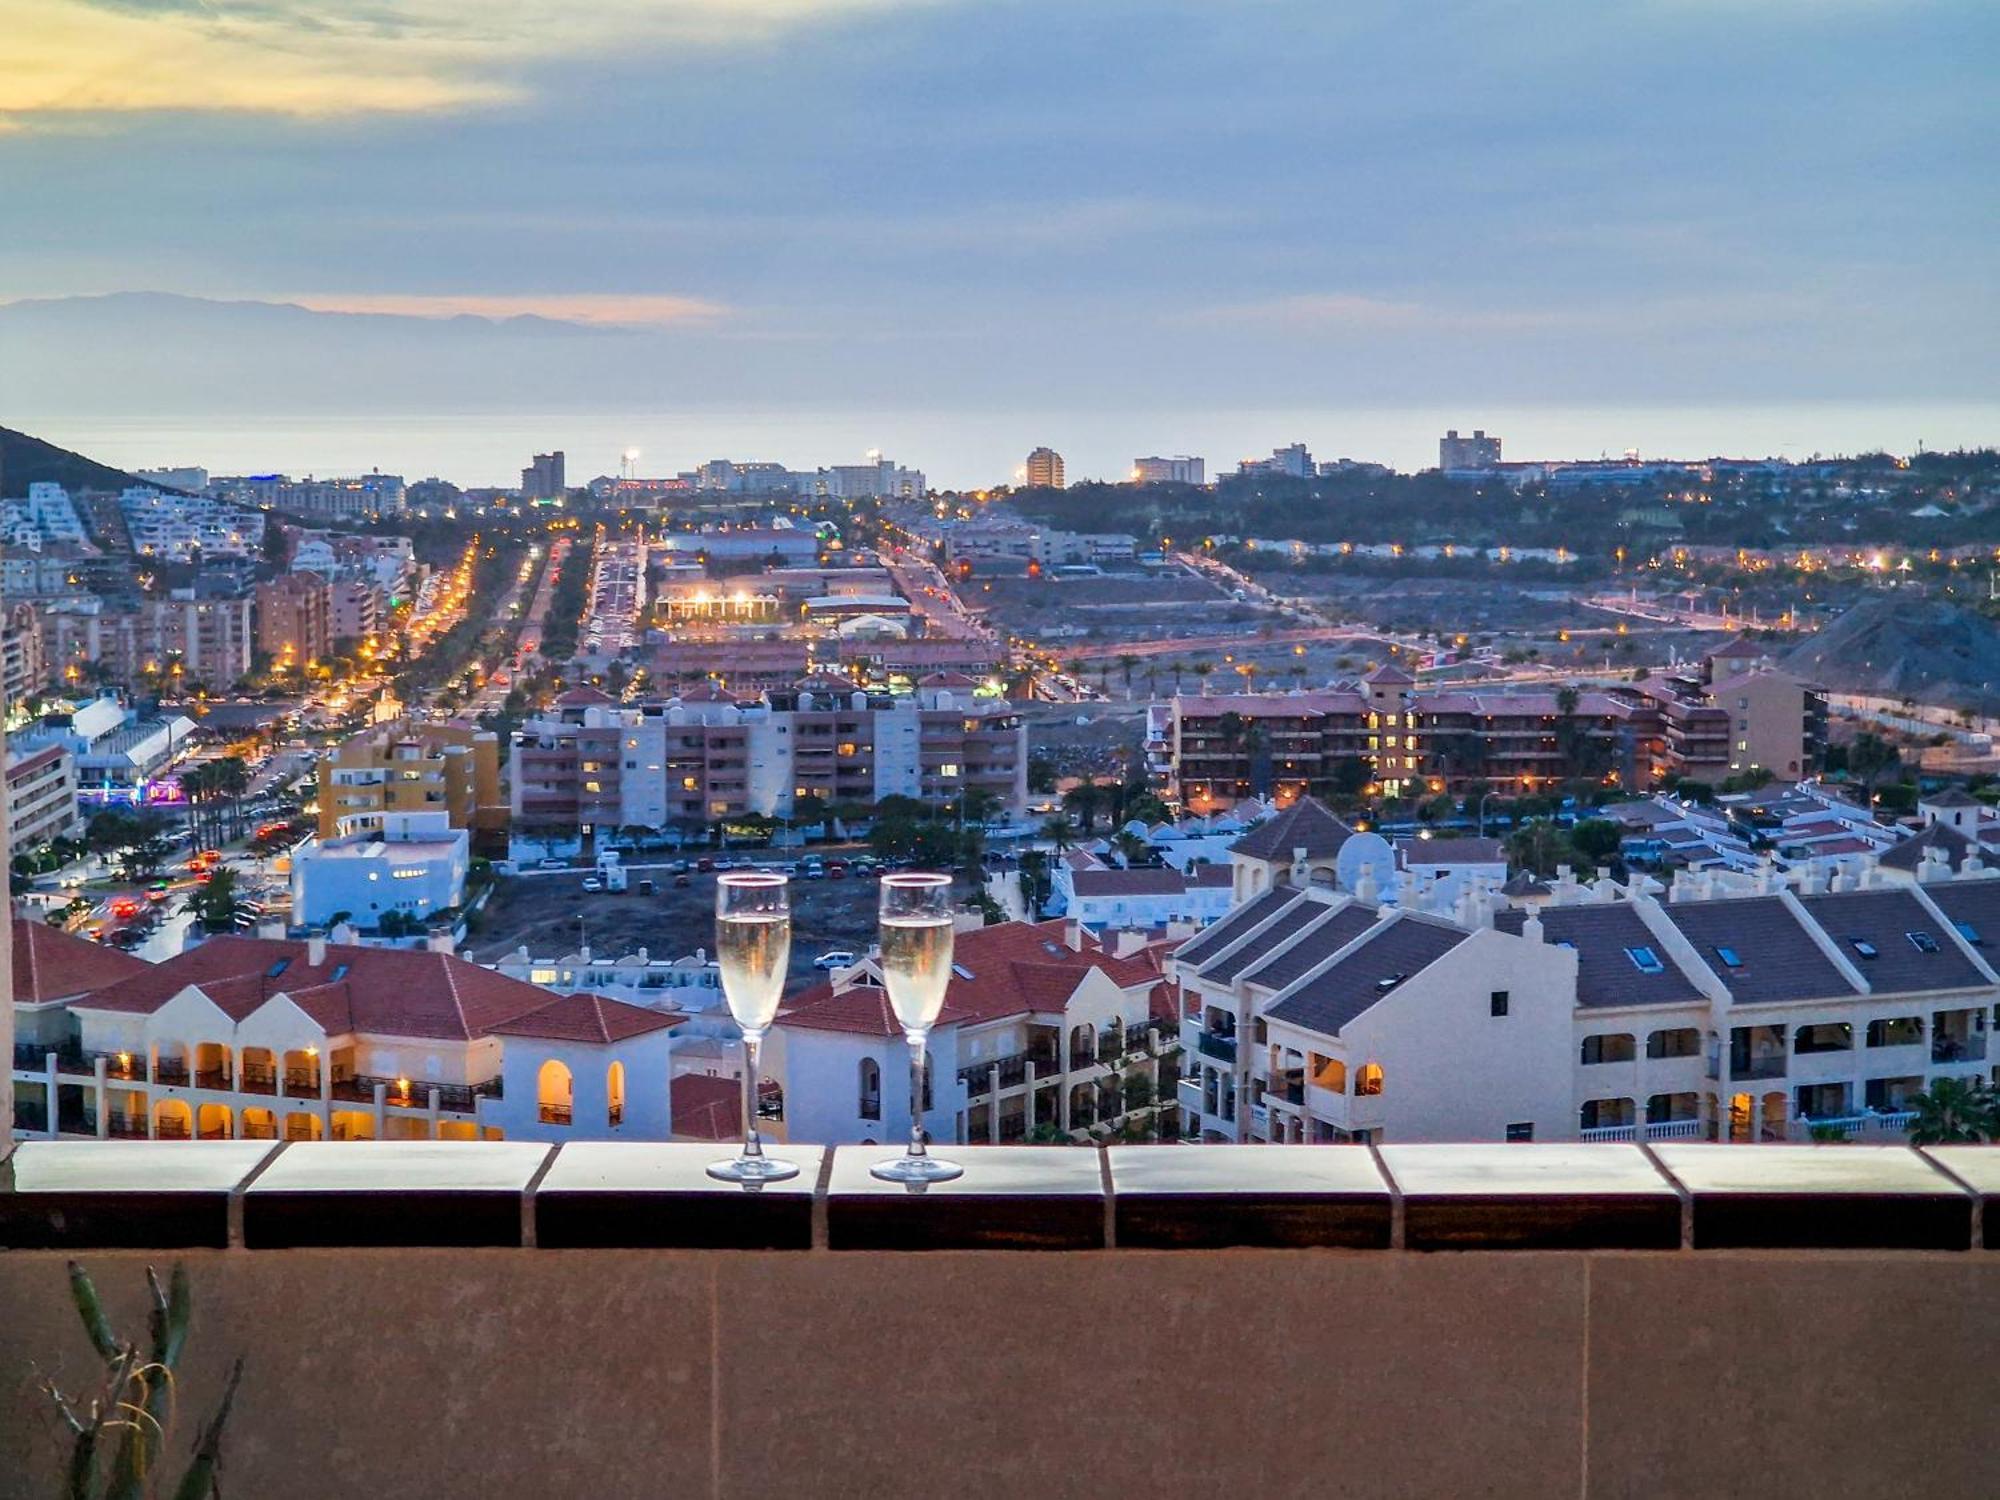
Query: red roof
x=588 y=1018
x=948 y=680
x=388 y=991
x=50 y=964
x=706 y=1108
x=1007 y=969
x=583 y=696
x=1128 y=882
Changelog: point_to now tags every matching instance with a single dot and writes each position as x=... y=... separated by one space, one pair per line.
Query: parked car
x=553 y=864
x=646 y=887
x=704 y=864
x=835 y=958
x=592 y=884
x=680 y=880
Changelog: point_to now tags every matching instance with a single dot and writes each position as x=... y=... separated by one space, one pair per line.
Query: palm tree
x=1126 y=662
x=1059 y=831
x=1174 y=669
x=1954 y=1111
x=1202 y=669
x=232 y=780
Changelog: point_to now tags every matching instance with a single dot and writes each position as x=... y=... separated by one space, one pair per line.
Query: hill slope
x=26 y=460
x=1923 y=649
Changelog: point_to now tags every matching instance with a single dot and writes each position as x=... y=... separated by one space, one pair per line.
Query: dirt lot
x=542 y=911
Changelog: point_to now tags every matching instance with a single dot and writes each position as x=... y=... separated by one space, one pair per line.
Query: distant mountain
x=1922 y=649
x=26 y=460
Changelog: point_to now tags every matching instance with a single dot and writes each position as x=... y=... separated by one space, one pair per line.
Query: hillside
x=26 y=460
x=1924 y=649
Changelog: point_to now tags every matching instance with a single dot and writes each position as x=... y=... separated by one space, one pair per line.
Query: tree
x=1126 y=662
x=1871 y=758
x=1954 y=1111
x=1202 y=671
x=1059 y=832
x=1596 y=840
x=216 y=905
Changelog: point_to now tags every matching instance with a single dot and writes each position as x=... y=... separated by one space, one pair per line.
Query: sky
x=956 y=230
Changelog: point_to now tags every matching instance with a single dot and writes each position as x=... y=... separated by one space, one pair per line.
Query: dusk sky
x=956 y=230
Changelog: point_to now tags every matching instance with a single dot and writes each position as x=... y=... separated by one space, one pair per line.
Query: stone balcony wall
x=456 y=1320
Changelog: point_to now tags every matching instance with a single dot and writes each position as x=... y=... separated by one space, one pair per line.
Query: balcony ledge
x=85 y=1195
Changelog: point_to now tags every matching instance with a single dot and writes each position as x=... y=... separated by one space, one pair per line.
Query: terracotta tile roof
x=50 y=964
x=1208 y=876
x=1307 y=824
x=387 y=991
x=1952 y=796
x=706 y=1108
x=1008 y=969
x=1389 y=672
x=583 y=1017
x=583 y=696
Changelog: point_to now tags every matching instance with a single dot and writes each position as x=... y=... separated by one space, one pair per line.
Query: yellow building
x=405 y=766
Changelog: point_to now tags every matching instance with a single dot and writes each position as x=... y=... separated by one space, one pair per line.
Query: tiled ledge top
x=167 y=1195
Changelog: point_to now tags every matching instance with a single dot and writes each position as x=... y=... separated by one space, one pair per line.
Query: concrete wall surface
x=486 y=1374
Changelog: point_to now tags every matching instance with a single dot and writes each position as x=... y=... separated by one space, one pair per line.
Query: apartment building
x=411 y=865
x=1742 y=1009
x=1211 y=751
x=1044 y=469
x=1043 y=1028
x=41 y=797
x=1177 y=470
x=197 y=642
x=356 y=610
x=262 y=1038
x=179 y=528
x=1088 y=890
x=356 y=497
x=295 y=619
x=413 y=765
x=707 y=755
x=23 y=668
x=119 y=756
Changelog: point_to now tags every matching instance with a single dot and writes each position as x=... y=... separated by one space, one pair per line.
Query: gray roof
x=1399 y=949
x=1778 y=959
x=1235 y=923
x=1909 y=854
x=1453 y=851
x=1280 y=931
x=1605 y=972
x=1976 y=903
x=1306 y=824
x=1886 y=919
x=1952 y=796
x=1292 y=963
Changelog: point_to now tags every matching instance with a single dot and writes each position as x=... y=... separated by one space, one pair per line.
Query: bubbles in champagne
x=916 y=966
x=753 y=949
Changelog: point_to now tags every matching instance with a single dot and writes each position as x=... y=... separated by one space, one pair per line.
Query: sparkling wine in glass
x=753 y=940
x=916 y=968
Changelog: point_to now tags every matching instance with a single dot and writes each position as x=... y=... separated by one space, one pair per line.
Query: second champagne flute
x=916 y=969
x=753 y=942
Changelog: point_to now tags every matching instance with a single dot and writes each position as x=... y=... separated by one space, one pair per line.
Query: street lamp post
x=1484 y=799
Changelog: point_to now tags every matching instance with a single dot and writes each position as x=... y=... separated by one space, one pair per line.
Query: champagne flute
x=916 y=968
x=753 y=941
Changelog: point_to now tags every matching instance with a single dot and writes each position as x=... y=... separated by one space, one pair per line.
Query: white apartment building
x=1043 y=1029
x=1734 y=1009
x=175 y=527
x=412 y=864
x=46 y=517
x=41 y=797
x=1177 y=470
x=1100 y=895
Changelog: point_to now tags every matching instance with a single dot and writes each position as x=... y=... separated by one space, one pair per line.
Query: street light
x=1488 y=797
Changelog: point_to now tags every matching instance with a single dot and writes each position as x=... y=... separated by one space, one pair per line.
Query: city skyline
x=1278 y=208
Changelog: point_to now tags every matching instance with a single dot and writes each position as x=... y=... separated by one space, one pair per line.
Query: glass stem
x=916 y=1096
x=753 y=1146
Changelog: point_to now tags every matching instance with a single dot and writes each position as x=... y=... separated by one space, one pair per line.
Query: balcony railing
x=1760 y=1065
x=213 y=1078
x=1957 y=1049
x=1216 y=1045
x=170 y=1071
x=555 y=1114
x=259 y=1079
x=170 y=1130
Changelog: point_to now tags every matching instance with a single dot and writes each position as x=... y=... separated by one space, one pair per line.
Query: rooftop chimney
x=316 y=949
x=1073 y=935
x=440 y=940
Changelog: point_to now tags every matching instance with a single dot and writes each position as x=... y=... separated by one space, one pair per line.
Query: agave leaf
x=84 y=1294
x=199 y=1481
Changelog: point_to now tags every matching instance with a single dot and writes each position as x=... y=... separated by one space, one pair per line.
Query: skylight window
x=277 y=968
x=961 y=971
x=1923 y=942
x=1646 y=961
x=339 y=973
x=1863 y=947
x=1731 y=959
x=1970 y=933
x=1390 y=981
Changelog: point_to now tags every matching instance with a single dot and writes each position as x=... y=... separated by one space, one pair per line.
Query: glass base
x=916 y=1169
x=752 y=1170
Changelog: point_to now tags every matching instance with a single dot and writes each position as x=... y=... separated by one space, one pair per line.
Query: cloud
x=597 y=309
x=310 y=59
